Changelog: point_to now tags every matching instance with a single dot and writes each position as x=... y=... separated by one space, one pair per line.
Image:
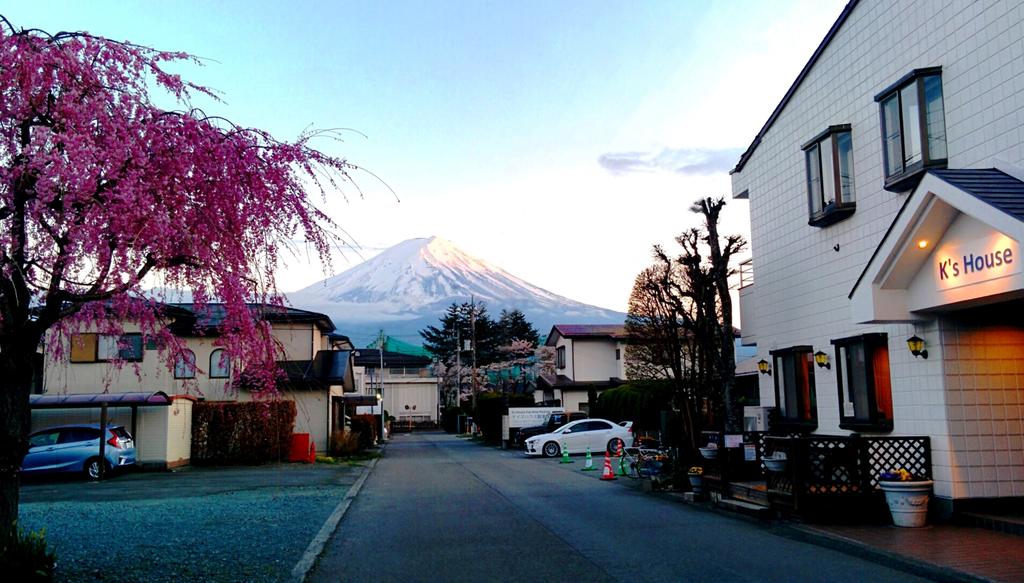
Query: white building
x=410 y=390
x=587 y=356
x=887 y=202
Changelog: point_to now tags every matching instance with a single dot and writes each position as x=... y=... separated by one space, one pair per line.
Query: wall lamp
x=763 y=368
x=821 y=359
x=916 y=346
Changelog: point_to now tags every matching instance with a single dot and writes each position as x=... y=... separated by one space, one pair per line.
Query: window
x=185 y=365
x=220 y=364
x=77 y=434
x=794 y=386
x=829 y=162
x=560 y=357
x=618 y=354
x=913 y=128
x=103 y=347
x=865 y=390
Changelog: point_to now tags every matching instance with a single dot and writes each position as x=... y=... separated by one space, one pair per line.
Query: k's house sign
x=976 y=261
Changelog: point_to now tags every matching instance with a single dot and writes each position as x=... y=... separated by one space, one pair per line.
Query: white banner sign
x=530 y=416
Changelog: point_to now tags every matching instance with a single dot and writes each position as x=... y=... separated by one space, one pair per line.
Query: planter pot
x=709 y=453
x=908 y=501
x=775 y=464
x=696 y=484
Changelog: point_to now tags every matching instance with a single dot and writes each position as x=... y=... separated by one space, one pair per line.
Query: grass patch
x=352 y=460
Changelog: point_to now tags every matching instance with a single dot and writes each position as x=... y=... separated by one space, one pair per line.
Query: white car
x=598 y=434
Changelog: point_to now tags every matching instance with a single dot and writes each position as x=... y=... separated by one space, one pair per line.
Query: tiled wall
x=984 y=374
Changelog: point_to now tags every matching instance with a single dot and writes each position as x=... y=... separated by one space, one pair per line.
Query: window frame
x=560 y=357
x=908 y=176
x=181 y=357
x=97 y=338
x=790 y=422
x=215 y=369
x=874 y=421
x=839 y=208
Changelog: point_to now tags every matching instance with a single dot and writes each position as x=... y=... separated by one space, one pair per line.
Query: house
x=316 y=364
x=886 y=197
x=410 y=390
x=588 y=357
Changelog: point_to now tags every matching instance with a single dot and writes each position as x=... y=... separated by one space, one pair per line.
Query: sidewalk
x=945 y=552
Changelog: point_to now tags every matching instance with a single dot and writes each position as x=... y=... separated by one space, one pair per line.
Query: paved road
x=439 y=508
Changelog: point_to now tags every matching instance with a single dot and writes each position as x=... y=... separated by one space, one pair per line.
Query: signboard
x=975 y=261
x=368 y=410
x=749 y=452
x=733 y=441
x=530 y=416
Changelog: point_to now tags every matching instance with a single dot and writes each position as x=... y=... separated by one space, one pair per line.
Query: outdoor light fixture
x=916 y=346
x=922 y=244
x=763 y=368
x=822 y=360
x=379 y=398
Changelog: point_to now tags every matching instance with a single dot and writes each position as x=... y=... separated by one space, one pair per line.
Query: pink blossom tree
x=100 y=188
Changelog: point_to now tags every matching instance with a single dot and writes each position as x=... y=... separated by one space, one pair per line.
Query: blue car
x=76 y=449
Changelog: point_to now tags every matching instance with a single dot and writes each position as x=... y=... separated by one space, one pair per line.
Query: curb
x=861 y=550
x=316 y=546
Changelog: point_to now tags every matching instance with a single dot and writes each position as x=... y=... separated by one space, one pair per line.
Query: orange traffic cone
x=607 y=474
x=620 y=448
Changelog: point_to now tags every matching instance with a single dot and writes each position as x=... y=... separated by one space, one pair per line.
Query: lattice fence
x=885 y=454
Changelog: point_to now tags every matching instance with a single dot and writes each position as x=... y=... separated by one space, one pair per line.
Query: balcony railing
x=747 y=273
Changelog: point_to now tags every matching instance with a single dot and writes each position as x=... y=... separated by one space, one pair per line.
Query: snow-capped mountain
x=408 y=287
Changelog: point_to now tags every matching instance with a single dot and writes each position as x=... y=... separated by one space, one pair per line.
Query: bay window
x=865 y=389
x=794 y=387
x=913 y=128
x=829 y=163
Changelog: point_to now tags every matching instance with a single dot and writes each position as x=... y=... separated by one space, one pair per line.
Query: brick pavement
x=976 y=552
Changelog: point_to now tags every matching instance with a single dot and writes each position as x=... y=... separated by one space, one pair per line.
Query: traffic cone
x=607 y=473
x=622 y=466
x=565 y=455
x=620 y=448
x=589 y=467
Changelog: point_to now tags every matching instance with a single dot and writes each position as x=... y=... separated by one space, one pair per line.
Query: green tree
x=513 y=325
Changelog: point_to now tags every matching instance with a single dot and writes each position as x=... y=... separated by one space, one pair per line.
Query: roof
x=843 y=16
x=328 y=367
x=616 y=331
x=90 y=400
x=213 y=314
x=565 y=383
x=370 y=358
x=992 y=186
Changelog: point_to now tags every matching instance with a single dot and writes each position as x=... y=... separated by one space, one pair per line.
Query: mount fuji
x=408 y=287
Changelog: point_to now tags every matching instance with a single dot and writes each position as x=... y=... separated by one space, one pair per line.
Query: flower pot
x=709 y=453
x=908 y=501
x=696 y=484
x=775 y=464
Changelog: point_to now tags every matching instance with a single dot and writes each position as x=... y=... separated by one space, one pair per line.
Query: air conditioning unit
x=755 y=418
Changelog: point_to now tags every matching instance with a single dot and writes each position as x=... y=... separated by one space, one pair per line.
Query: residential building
x=886 y=202
x=588 y=357
x=316 y=363
x=410 y=390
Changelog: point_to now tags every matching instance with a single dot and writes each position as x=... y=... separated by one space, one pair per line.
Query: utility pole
x=458 y=367
x=380 y=351
x=472 y=325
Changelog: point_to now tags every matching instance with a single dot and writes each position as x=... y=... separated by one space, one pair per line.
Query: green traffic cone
x=565 y=455
x=622 y=466
x=589 y=467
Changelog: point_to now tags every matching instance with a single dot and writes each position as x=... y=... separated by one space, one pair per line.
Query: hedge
x=638 y=401
x=490 y=406
x=251 y=432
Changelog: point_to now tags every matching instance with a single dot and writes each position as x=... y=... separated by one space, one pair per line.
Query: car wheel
x=92 y=468
x=614 y=444
x=551 y=449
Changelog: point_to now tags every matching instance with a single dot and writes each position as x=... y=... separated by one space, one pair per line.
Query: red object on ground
x=607 y=474
x=300 y=448
x=312 y=453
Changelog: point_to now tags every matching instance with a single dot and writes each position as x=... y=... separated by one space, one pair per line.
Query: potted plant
x=775 y=463
x=907 y=497
x=696 y=475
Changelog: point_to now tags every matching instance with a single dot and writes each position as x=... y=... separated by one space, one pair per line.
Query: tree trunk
x=15 y=385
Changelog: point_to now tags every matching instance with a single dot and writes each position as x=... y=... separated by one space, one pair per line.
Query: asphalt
x=440 y=508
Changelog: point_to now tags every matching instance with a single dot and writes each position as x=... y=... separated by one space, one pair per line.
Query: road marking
x=316 y=546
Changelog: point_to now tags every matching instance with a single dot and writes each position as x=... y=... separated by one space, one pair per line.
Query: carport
x=102 y=401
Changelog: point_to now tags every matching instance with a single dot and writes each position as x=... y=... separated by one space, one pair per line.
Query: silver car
x=76 y=448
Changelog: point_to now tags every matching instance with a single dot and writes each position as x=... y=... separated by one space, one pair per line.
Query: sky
x=558 y=140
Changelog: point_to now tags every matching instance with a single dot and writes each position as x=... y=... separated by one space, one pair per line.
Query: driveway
x=196 y=524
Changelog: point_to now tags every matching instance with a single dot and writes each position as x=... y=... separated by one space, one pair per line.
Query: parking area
x=210 y=524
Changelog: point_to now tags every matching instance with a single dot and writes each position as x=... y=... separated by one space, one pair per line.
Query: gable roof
x=796 y=84
x=213 y=315
x=990 y=185
x=615 y=331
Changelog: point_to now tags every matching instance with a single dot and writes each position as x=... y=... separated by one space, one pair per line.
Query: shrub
x=637 y=401
x=26 y=557
x=490 y=406
x=345 y=443
x=249 y=432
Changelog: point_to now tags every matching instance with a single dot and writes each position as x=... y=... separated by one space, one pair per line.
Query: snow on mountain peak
x=416 y=279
